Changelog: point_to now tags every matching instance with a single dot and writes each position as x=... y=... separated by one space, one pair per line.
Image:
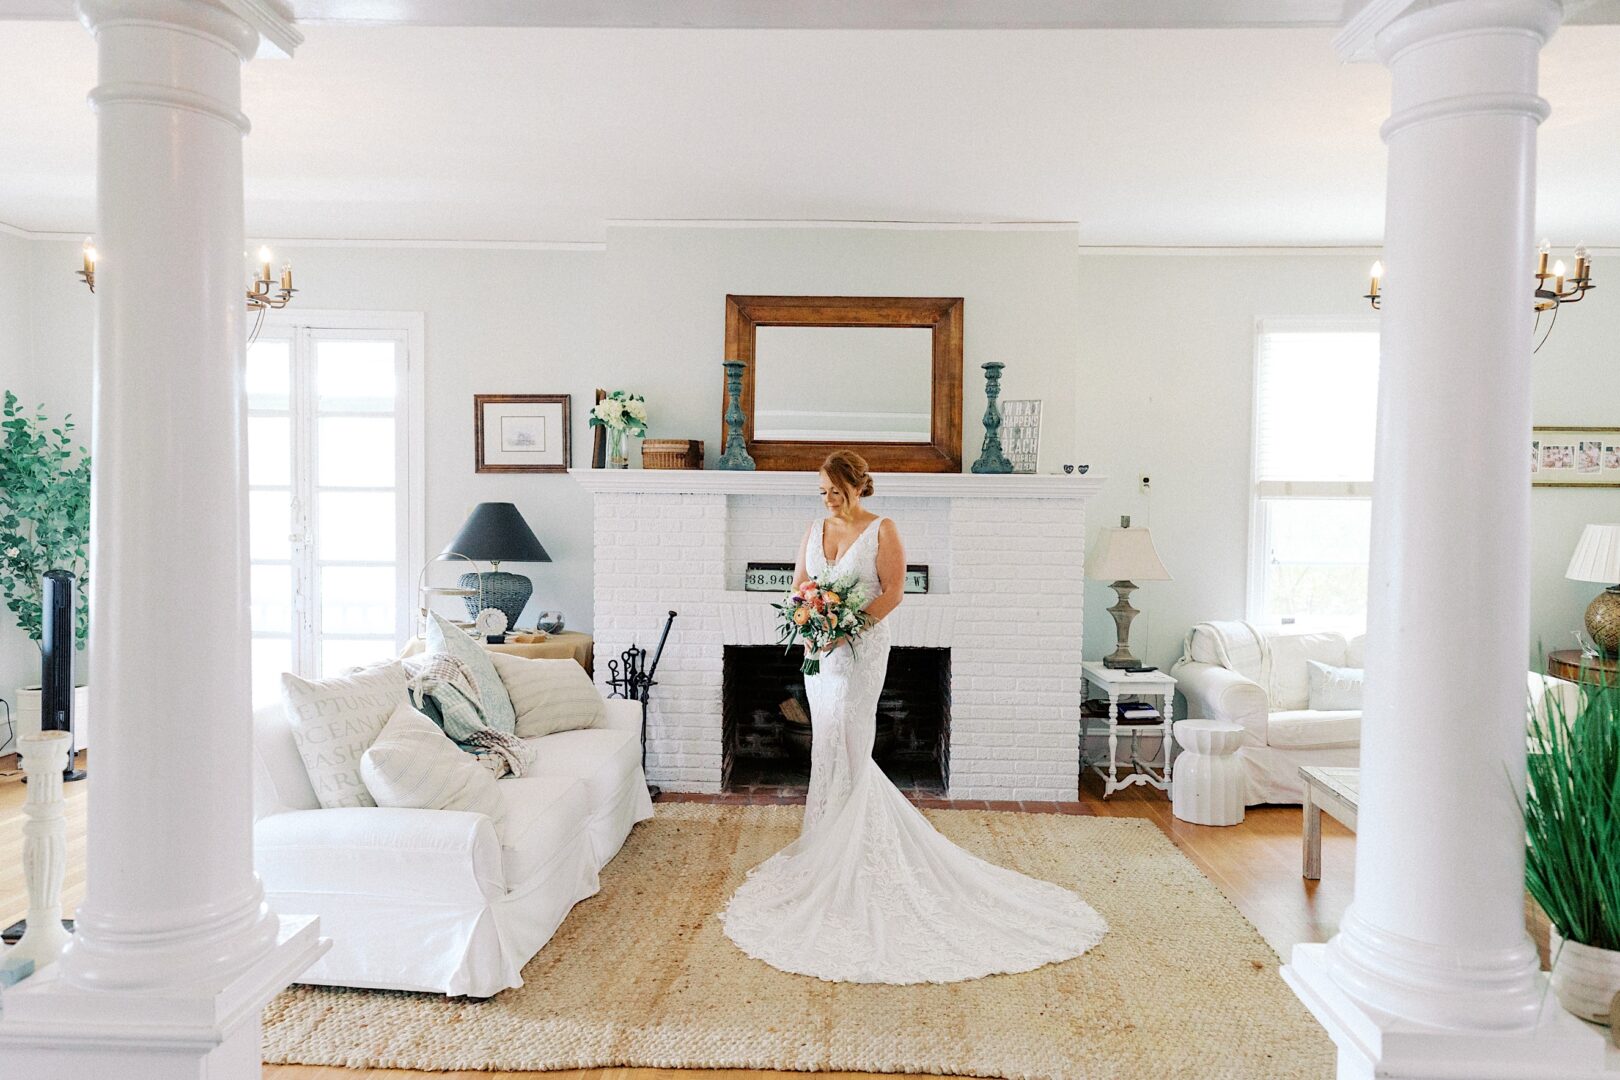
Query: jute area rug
x=641 y=975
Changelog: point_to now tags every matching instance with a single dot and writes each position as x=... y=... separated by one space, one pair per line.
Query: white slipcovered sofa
x=436 y=900
x=1259 y=679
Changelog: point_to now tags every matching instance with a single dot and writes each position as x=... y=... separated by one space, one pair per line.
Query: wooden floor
x=1256 y=864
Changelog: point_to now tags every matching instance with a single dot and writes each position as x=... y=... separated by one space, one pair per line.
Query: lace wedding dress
x=869 y=892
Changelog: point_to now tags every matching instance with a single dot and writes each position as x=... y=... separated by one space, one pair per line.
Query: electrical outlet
x=1147 y=485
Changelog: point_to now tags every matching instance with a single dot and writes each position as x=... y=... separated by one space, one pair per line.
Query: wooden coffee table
x=1335 y=790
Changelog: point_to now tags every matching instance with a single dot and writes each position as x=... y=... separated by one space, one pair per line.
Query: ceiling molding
x=835 y=223
x=273 y=20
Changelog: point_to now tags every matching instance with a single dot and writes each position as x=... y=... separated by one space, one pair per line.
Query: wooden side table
x=563 y=645
x=1576 y=667
x=1114 y=684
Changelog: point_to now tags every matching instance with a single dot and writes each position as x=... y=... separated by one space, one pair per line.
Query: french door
x=334 y=493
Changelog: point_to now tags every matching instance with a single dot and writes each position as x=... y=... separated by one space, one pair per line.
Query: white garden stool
x=1207 y=788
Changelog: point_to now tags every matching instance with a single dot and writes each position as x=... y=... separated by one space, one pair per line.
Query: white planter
x=29 y=709
x=1585 y=979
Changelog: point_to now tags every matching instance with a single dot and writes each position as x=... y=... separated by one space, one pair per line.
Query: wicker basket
x=672 y=453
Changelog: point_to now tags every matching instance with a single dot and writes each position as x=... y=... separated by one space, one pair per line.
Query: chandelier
x=1554 y=288
x=263 y=293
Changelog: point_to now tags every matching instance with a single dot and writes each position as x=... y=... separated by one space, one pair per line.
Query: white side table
x=1208 y=789
x=1114 y=684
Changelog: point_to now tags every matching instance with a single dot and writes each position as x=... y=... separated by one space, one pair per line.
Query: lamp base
x=1603 y=621
x=1123 y=613
x=506 y=593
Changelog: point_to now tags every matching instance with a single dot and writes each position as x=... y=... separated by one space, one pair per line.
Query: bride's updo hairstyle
x=848 y=470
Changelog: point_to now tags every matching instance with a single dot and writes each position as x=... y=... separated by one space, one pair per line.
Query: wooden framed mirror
x=880 y=375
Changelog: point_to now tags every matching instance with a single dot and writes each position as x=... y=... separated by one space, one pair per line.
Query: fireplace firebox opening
x=766 y=721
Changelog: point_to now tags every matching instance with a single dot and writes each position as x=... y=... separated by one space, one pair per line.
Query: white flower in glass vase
x=620 y=412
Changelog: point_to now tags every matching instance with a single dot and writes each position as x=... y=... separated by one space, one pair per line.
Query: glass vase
x=617 y=457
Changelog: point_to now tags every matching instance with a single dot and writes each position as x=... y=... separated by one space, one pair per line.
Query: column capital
x=1380 y=25
x=218 y=22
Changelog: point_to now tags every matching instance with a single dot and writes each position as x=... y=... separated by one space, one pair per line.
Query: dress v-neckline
x=821 y=540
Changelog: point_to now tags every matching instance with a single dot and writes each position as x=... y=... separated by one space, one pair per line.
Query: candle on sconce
x=89 y=257
x=264 y=264
x=1583 y=262
x=1543 y=250
x=286 y=277
x=1558 y=276
x=1377 y=275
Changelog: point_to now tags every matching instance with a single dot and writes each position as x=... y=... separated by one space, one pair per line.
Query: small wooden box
x=672 y=453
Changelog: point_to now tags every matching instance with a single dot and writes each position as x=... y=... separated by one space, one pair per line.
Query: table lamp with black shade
x=495 y=532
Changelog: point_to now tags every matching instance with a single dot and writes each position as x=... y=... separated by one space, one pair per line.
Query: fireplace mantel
x=888 y=485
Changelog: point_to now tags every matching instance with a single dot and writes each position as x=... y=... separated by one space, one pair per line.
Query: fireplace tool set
x=630 y=677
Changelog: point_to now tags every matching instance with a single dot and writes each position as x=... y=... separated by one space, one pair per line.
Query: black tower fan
x=56 y=665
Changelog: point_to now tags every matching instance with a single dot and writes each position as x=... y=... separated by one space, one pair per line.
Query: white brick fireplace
x=1006 y=565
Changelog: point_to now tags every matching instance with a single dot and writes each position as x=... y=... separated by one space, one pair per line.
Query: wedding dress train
x=870 y=892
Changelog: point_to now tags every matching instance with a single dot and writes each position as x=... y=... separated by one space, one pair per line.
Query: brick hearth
x=1006 y=559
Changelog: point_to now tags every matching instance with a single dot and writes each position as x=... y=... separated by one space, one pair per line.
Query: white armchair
x=1259 y=679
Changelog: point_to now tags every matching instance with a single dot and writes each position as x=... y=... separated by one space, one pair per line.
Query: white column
x=1434 y=943
x=175 y=950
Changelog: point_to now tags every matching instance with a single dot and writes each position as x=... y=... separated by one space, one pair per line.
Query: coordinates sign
x=778 y=577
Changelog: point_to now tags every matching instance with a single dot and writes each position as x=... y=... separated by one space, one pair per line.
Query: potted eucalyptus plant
x=1572 y=864
x=44 y=521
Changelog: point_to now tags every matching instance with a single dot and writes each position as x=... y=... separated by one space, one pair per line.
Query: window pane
x=1316 y=560
x=357 y=526
x=355 y=376
x=269 y=450
x=1317 y=402
x=269 y=374
x=356 y=451
x=272 y=597
x=271 y=656
x=341 y=655
x=357 y=600
x=269 y=524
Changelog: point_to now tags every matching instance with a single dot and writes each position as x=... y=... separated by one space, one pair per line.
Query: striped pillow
x=414 y=764
x=549 y=695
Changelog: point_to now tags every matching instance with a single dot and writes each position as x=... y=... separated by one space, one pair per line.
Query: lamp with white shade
x=1597 y=558
x=1122 y=557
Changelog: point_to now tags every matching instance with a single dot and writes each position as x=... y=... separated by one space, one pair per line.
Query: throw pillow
x=333 y=722
x=1334 y=688
x=442 y=636
x=549 y=695
x=414 y=764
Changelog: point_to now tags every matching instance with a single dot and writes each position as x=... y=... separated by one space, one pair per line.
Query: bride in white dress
x=869 y=892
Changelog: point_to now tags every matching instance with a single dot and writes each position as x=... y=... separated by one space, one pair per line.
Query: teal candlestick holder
x=991 y=457
x=736 y=452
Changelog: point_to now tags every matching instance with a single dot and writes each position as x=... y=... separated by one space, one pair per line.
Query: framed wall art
x=521 y=432
x=1575 y=457
x=1021 y=433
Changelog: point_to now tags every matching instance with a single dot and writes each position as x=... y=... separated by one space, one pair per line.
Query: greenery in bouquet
x=621 y=411
x=44 y=513
x=1572 y=815
x=820 y=613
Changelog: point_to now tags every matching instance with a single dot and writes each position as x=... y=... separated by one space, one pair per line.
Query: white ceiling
x=1143 y=137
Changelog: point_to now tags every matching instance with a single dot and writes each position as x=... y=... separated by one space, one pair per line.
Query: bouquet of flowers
x=621 y=411
x=821 y=612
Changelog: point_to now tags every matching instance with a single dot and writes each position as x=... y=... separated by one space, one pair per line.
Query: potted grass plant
x=1572 y=863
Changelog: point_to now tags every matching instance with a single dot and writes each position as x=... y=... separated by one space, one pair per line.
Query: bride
x=869 y=892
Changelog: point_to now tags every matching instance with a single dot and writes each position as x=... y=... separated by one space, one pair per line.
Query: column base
x=50 y=1030
x=1376 y=1044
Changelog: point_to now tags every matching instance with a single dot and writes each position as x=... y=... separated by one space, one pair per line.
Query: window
x=1316 y=393
x=334 y=492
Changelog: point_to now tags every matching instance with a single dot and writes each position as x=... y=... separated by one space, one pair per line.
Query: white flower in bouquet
x=621 y=411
